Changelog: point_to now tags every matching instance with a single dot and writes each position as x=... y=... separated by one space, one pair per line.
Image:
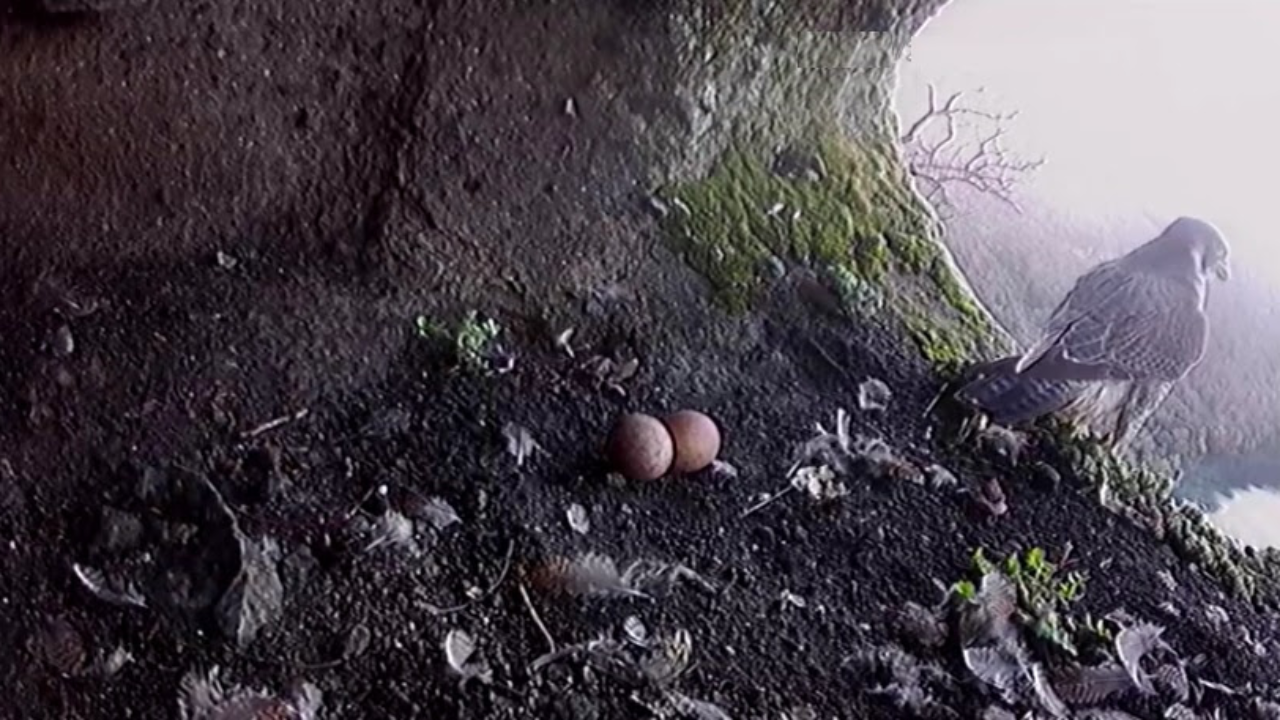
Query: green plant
x=472 y=340
x=1045 y=594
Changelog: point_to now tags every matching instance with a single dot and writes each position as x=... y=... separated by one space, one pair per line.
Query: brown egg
x=697 y=440
x=640 y=447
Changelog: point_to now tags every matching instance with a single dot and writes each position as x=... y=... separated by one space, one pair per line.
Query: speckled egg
x=696 y=438
x=640 y=447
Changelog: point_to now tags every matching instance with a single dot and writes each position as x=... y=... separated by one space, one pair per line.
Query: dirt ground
x=216 y=215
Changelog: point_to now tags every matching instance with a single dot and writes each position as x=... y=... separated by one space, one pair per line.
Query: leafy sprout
x=473 y=340
x=1045 y=594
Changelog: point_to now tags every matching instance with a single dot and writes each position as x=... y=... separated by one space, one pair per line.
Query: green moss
x=854 y=216
x=1147 y=498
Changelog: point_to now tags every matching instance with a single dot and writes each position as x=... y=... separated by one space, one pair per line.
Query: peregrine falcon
x=1129 y=329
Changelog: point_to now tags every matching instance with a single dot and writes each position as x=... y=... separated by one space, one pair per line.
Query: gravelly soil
x=508 y=205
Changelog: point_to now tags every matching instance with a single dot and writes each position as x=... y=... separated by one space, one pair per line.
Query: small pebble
x=874 y=395
x=63 y=342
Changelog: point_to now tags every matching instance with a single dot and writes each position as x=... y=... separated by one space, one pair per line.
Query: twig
x=533 y=612
x=275 y=423
x=502 y=575
x=767 y=501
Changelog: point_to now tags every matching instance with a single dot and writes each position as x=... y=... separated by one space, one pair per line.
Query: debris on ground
x=874 y=395
x=203 y=696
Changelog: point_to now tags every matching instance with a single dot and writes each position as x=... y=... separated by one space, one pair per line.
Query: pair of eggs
x=642 y=447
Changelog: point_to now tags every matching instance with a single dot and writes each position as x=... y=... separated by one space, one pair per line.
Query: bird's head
x=1206 y=244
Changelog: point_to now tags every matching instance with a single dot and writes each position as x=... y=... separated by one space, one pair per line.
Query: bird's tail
x=1008 y=398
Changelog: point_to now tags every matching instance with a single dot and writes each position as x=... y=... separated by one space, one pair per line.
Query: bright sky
x=1167 y=107
x=1163 y=106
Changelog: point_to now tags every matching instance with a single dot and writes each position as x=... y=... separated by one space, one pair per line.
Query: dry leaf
x=459 y=648
x=256 y=595
x=96 y=582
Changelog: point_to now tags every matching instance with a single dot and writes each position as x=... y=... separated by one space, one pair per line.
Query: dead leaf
x=256 y=595
x=96 y=583
x=459 y=648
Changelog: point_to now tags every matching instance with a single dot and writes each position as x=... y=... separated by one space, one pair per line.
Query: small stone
x=874 y=395
x=1045 y=477
x=227 y=262
x=64 y=343
x=578 y=520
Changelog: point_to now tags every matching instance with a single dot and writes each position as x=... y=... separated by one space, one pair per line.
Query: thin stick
x=533 y=612
x=275 y=423
x=767 y=501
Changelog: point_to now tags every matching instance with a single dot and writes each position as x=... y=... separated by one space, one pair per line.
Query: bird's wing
x=1122 y=326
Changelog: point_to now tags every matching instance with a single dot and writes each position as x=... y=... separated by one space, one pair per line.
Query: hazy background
x=1143 y=111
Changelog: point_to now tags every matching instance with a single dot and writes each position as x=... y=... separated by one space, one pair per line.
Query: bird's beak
x=1222 y=271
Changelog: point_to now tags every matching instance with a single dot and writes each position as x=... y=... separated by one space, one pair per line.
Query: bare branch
x=938 y=155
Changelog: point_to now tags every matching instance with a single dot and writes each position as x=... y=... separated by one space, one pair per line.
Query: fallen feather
x=202 y=697
x=590 y=575
x=391 y=528
x=820 y=482
x=520 y=443
x=722 y=469
x=1092 y=685
x=436 y=511
x=1134 y=643
x=790 y=598
x=562 y=342
x=1045 y=693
